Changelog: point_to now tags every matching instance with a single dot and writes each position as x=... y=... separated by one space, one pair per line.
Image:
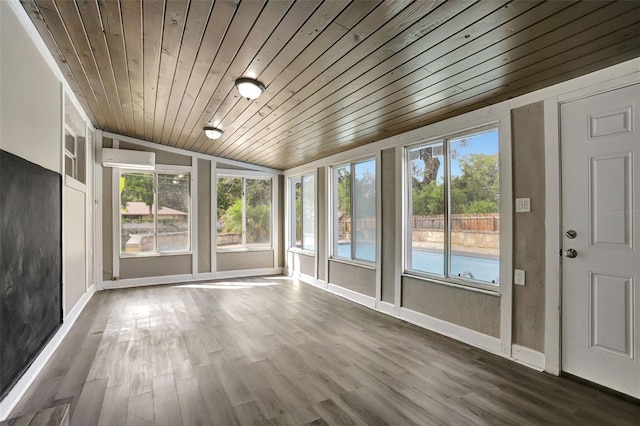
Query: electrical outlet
x=518 y=277
x=523 y=205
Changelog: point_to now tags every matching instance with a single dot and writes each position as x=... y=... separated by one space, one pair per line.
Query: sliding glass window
x=453 y=208
x=303 y=212
x=354 y=211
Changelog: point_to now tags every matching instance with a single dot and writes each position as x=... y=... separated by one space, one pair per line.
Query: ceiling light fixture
x=212 y=132
x=249 y=88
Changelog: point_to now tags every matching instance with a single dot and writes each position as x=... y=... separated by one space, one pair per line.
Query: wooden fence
x=489 y=222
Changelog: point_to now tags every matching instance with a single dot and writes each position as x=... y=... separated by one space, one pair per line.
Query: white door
x=600 y=144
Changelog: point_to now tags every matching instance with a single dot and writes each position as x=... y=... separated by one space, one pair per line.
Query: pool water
x=480 y=268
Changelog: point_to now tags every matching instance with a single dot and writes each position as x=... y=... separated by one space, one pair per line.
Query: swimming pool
x=481 y=268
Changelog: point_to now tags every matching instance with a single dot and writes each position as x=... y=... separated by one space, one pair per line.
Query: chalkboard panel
x=30 y=263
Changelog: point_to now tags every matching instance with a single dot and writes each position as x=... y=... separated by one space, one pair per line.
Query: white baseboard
x=322 y=284
x=203 y=276
x=354 y=296
x=528 y=357
x=139 y=282
x=296 y=275
x=247 y=273
x=386 y=308
x=8 y=403
x=457 y=332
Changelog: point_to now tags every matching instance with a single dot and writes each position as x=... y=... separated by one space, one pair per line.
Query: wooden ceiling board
x=257 y=41
x=212 y=40
x=291 y=61
x=437 y=79
x=339 y=74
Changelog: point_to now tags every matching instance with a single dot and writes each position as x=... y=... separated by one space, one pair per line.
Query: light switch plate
x=523 y=205
x=518 y=277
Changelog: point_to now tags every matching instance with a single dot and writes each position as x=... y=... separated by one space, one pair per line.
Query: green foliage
x=257 y=204
x=137 y=187
x=344 y=191
x=229 y=190
x=475 y=190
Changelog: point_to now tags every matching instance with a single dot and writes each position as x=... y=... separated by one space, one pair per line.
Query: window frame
x=334 y=211
x=244 y=175
x=407 y=193
x=73 y=173
x=292 y=213
x=160 y=169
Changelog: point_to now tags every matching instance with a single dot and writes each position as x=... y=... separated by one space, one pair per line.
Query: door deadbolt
x=571 y=234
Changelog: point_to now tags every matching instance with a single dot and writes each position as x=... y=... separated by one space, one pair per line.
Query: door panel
x=600 y=307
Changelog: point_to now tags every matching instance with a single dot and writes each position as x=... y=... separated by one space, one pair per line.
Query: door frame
x=553 y=211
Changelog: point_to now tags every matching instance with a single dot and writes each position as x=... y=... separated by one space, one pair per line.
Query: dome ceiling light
x=250 y=88
x=212 y=132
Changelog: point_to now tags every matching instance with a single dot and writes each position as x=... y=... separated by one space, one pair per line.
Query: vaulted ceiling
x=339 y=74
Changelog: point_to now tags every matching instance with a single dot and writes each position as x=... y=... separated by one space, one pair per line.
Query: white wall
x=75 y=256
x=30 y=97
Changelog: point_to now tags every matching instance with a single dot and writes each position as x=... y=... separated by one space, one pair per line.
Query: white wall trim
x=248 y=273
x=528 y=357
x=8 y=403
x=115 y=217
x=322 y=284
x=193 y=217
x=457 y=332
x=305 y=278
x=195 y=155
x=98 y=210
x=147 y=281
x=203 y=276
x=386 y=308
x=354 y=296
x=401 y=212
x=553 y=214
x=506 y=238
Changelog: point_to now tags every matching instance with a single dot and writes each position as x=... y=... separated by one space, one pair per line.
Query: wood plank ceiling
x=339 y=74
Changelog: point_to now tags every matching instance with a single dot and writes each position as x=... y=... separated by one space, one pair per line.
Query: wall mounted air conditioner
x=128 y=159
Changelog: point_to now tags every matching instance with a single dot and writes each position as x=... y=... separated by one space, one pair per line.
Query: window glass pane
x=475 y=206
x=69 y=143
x=426 y=209
x=69 y=165
x=296 y=190
x=342 y=180
x=81 y=159
x=365 y=210
x=308 y=213
x=136 y=213
x=229 y=224
x=258 y=212
x=173 y=212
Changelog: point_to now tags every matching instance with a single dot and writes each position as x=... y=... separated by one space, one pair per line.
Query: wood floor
x=274 y=351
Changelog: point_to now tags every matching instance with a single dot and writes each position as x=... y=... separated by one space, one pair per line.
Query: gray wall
x=162 y=157
x=388 y=222
x=353 y=277
x=107 y=220
x=470 y=309
x=154 y=266
x=203 y=236
x=529 y=229
x=280 y=219
x=241 y=260
x=303 y=263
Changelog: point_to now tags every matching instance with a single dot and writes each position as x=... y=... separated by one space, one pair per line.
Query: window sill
x=463 y=285
x=143 y=255
x=360 y=263
x=302 y=251
x=243 y=249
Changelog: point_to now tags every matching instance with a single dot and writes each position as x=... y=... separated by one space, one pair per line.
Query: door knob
x=570 y=253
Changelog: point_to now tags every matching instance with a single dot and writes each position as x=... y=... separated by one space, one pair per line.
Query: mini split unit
x=128 y=159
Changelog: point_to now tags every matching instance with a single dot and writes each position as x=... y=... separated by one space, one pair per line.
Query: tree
x=479 y=181
x=137 y=187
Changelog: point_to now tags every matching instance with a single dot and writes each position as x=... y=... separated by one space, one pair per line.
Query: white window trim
x=504 y=165
x=117 y=223
x=333 y=220
x=244 y=175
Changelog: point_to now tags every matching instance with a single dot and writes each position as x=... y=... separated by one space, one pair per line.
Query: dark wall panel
x=30 y=263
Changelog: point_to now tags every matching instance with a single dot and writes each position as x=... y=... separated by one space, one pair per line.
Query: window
x=354 y=212
x=74 y=155
x=454 y=208
x=303 y=212
x=154 y=212
x=244 y=212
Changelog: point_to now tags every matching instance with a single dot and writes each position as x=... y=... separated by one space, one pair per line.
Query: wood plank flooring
x=271 y=350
